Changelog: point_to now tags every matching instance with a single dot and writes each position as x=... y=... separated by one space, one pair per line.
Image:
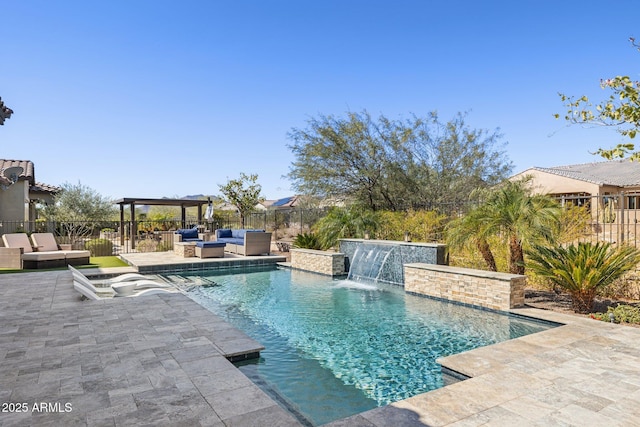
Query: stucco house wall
x=18 y=200
x=547 y=183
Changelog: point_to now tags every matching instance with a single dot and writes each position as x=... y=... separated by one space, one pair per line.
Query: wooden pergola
x=132 y=202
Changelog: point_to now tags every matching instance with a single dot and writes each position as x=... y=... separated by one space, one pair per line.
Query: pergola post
x=121 y=225
x=134 y=226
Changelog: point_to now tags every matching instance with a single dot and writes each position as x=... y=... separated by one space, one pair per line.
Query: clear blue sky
x=163 y=98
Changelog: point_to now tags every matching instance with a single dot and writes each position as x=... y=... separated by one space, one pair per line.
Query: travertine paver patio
x=157 y=360
x=585 y=373
x=161 y=361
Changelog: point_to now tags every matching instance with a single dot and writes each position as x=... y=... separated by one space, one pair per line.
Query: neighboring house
x=610 y=190
x=284 y=203
x=20 y=192
x=588 y=180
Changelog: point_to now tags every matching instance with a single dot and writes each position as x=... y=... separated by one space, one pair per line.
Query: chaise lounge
x=47 y=242
x=124 y=288
x=18 y=253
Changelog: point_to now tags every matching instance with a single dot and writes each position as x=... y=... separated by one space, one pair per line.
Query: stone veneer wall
x=497 y=291
x=323 y=262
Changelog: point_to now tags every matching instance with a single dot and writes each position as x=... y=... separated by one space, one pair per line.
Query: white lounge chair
x=126 y=277
x=127 y=288
x=90 y=292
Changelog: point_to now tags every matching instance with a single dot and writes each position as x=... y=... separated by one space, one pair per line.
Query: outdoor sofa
x=245 y=242
x=44 y=253
x=190 y=235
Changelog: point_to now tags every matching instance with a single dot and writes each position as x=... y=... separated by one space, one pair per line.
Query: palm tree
x=584 y=269
x=353 y=221
x=521 y=219
x=514 y=215
x=469 y=231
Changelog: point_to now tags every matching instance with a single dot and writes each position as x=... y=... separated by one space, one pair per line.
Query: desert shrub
x=623 y=313
x=307 y=241
x=147 y=246
x=164 y=247
x=423 y=226
x=575 y=223
x=99 y=247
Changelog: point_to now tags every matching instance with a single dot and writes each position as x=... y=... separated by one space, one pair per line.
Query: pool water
x=335 y=348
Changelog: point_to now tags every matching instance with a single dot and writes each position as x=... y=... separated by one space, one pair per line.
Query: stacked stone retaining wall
x=497 y=291
x=323 y=262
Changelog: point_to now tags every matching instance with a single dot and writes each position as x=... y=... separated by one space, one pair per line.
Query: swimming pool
x=334 y=347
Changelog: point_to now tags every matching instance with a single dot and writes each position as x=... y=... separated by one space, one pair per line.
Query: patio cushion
x=43 y=256
x=44 y=242
x=238 y=234
x=224 y=233
x=215 y=244
x=232 y=241
x=17 y=240
x=77 y=254
x=188 y=233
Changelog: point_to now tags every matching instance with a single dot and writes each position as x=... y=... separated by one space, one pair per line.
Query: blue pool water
x=335 y=347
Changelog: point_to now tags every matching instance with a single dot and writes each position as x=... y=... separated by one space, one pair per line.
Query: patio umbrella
x=208 y=215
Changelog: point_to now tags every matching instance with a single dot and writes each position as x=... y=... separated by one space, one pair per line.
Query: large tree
x=621 y=110
x=394 y=164
x=78 y=209
x=243 y=193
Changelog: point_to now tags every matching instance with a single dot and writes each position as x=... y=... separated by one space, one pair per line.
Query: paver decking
x=157 y=360
x=584 y=373
x=161 y=360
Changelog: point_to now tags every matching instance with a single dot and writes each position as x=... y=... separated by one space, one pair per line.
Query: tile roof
x=28 y=174
x=40 y=187
x=621 y=173
x=26 y=165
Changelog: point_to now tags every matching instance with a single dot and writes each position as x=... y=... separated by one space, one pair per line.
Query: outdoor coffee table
x=210 y=249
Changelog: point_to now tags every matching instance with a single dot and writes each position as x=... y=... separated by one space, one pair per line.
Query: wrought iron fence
x=610 y=217
x=114 y=237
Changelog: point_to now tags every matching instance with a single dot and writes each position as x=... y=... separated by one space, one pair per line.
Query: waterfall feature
x=384 y=260
x=377 y=262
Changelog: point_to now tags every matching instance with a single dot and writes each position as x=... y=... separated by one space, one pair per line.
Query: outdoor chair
x=47 y=242
x=123 y=288
x=91 y=293
x=18 y=253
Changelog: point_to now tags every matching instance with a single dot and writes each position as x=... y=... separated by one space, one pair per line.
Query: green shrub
x=147 y=246
x=583 y=270
x=164 y=247
x=621 y=314
x=99 y=247
x=307 y=241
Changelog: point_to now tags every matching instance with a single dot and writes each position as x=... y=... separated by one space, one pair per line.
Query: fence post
x=622 y=217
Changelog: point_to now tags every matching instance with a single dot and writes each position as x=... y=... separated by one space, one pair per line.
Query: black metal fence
x=113 y=237
x=610 y=217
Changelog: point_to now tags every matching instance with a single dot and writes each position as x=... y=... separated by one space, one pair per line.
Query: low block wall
x=323 y=262
x=497 y=291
